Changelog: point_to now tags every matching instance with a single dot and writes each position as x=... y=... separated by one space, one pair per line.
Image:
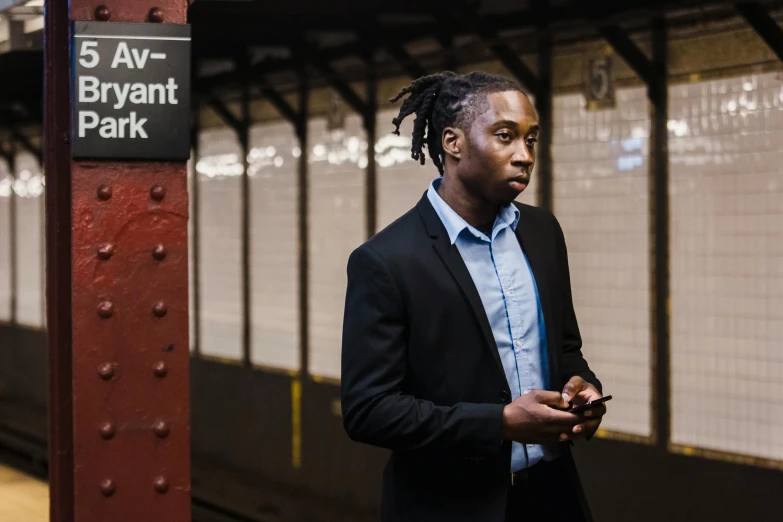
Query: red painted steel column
x=117 y=274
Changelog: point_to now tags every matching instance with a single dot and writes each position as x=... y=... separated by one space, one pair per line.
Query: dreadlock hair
x=443 y=100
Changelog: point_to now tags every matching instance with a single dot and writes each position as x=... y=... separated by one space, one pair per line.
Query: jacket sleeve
x=572 y=359
x=375 y=408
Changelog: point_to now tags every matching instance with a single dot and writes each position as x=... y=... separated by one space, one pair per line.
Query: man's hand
x=579 y=391
x=531 y=420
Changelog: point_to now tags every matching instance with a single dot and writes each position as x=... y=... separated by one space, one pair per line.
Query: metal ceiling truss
x=392 y=37
x=629 y=51
x=26 y=144
x=314 y=58
x=222 y=110
x=764 y=25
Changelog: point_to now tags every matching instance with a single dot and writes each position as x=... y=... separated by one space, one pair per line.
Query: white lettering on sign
x=89 y=52
x=112 y=127
x=123 y=55
x=92 y=90
x=85 y=124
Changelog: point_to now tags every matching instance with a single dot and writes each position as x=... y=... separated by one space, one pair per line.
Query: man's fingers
x=551 y=398
x=573 y=386
x=562 y=418
x=590 y=427
x=595 y=412
x=586 y=428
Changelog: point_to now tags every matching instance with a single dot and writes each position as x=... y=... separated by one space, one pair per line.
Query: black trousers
x=547 y=492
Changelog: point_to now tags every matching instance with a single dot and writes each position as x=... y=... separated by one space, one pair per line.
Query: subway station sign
x=131 y=91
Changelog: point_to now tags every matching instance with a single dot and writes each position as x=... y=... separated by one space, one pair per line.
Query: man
x=460 y=343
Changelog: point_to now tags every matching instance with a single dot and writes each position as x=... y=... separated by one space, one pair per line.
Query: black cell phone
x=587 y=406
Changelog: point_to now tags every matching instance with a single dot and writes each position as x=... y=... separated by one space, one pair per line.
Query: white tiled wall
x=220 y=258
x=401 y=180
x=274 y=239
x=600 y=198
x=30 y=247
x=727 y=264
x=6 y=187
x=337 y=226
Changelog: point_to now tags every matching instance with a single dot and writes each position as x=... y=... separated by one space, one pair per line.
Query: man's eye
x=504 y=136
x=531 y=142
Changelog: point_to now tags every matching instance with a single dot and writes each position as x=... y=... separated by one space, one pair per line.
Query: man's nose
x=522 y=156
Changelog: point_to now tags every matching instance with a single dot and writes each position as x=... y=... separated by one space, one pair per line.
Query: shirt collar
x=455 y=224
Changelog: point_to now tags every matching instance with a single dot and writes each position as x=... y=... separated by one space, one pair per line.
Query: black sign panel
x=131 y=91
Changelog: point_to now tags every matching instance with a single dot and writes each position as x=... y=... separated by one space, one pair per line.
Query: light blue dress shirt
x=508 y=291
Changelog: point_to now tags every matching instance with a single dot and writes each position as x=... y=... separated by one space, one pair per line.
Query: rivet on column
x=102 y=13
x=106 y=371
x=106 y=309
x=159 y=309
x=159 y=252
x=108 y=487
x=104 y=192
x=106 y=251
x=156 y=15
x=107 y=430
x=161 y=429
x=161 y=484
x=160 y=369
x=158 y=193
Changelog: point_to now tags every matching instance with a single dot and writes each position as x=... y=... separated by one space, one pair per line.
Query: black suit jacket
x=421 y=373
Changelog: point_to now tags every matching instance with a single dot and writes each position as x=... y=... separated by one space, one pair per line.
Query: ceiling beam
x=314 y=8
x=26 y=144
x=396 y=51
x=630 y=52
x=261 y=28
x=510 y=60
x=224 y=113
x=7 y=153
x=314 y=58
x=279 y=103
x=404 y=58
x=764 y=25
x=400 y=35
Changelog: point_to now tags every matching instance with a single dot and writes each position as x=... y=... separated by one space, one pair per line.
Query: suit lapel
x=533 y=247
x=451 y=257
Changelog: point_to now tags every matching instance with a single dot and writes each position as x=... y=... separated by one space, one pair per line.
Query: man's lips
x=519 y=182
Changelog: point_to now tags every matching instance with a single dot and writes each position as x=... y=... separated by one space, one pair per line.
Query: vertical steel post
x=659 y=236
x=244 y=140
x=370 y=117
x=117 y=308
x=545 y=120
x=303 y=186
x=57 y=158
x=13 y=238
x=195 y=143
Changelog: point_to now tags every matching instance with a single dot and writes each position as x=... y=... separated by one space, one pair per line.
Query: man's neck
x=476 y=211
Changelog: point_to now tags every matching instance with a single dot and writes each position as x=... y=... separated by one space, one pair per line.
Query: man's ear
x=453 y=142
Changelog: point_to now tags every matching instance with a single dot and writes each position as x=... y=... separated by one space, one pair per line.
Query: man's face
x=500 y=148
